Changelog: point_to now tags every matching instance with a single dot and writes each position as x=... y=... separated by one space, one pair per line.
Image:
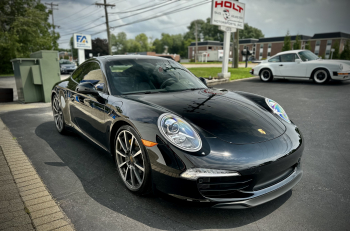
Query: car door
x=274 y=65
x=98 y=129
x=290 y=68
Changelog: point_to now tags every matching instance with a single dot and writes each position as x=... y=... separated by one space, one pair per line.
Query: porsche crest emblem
x=262 y=131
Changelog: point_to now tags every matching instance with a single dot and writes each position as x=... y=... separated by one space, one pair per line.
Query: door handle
x=281 y=65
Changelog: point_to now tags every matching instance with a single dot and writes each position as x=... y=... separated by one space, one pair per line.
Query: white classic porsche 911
x=301 y=64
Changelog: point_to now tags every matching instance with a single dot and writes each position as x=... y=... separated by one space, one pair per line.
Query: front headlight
x=277 y=109
x=179 y=132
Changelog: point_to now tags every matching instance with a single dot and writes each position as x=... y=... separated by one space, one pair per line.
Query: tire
x=58 y=115
x=320 y=76
x=132 y=161
x=266 y=75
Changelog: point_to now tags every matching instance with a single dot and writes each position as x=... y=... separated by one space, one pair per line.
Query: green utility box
x=35 y=76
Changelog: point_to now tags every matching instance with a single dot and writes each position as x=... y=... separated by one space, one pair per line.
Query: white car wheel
x=266 y=75
x=321 y=76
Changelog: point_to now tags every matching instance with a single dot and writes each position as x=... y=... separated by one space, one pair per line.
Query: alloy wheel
x=130 y=161
x=57 y=113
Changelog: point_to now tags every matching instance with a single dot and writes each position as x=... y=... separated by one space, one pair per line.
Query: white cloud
x=268 y=20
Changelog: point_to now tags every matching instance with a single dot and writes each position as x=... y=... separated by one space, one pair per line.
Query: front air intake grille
x=224 y=187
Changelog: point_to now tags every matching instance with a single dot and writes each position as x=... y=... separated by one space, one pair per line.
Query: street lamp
x=332 y=50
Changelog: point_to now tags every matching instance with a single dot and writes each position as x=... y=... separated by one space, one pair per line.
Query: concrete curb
x=39 y=204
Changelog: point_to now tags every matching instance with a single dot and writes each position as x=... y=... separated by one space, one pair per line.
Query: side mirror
x=298 y=61
x=203 y=80
x=86 y=88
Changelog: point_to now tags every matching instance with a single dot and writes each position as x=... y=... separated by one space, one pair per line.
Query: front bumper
x=343 y=75
x=264 y=195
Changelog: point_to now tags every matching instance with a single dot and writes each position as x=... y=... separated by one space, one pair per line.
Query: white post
x=81 y=56
x=227 y=33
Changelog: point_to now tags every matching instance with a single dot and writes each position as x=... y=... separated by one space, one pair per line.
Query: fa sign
x=82 y=41
x=228 y=13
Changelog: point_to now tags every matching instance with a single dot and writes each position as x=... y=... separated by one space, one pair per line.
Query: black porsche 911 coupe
x=169 y=132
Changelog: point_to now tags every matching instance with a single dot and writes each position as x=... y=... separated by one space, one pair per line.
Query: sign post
x=229 y=16
x=82 y=42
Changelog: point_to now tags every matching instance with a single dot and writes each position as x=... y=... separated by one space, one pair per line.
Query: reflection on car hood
x=226 y=115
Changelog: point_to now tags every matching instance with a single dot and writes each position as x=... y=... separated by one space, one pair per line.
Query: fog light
x=195 y=173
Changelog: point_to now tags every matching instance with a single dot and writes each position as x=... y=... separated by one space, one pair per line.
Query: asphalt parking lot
x=83 y=179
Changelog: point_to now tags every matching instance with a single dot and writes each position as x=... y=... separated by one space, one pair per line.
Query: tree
x=335 y=54
x=345 y=55
x=133 y=46
x=24 y=29
x=287 y=43
x=158 y=48
x=119 y=43
x=297 y=44
x=250 y=32
x=207 y=31
x=99 y=48
x=75 y=51
x=307 y=45
x=142 y=39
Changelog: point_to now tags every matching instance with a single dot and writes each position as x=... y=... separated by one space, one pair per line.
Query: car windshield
x=66 y=62
x=132 y=76
x=307 y=55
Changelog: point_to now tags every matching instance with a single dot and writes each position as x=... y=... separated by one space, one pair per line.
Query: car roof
x=289 y=52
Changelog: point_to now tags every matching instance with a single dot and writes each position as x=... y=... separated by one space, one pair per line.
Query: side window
x=275 y=59
x=296 y=57
x=288 y=58
x=78 y=74
x=92 y=73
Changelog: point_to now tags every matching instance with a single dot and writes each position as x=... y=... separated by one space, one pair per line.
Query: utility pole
x=107 y=23
x=195 y=55
x=52 y=5
x=235 y=45
x=235 y=50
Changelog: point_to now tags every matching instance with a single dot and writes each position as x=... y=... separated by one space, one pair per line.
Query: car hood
x=226 y=115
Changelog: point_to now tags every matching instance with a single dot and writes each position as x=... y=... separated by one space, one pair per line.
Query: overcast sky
x=273 y=17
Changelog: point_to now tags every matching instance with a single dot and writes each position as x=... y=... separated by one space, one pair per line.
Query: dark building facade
x=264 y=48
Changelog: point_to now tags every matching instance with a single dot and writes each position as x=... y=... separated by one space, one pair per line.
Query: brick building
x=264 y=48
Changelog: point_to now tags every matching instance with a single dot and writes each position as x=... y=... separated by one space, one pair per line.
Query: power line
x=119 y=19
x=74 y=14
x=157 y=16
x=141 y=12
x=123 y=12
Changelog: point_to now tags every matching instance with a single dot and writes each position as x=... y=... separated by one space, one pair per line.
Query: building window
x=329 y=42
x=270 y=45
x=209 y=48
x=268 y=54
x=318 y=42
